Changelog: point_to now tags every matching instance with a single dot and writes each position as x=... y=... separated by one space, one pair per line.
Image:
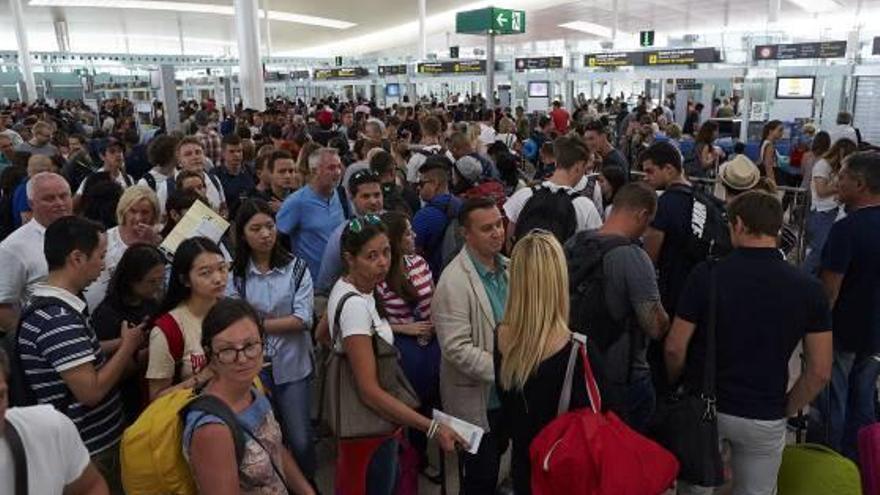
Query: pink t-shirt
x=400 y=311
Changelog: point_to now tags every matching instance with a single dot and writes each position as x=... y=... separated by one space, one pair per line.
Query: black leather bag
x=686 y=423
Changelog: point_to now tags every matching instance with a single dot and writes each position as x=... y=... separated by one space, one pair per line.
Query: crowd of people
x=384 y=264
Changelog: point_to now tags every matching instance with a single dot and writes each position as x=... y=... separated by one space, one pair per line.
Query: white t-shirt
x=22 y=263
x=843 y=132
x=122 y=179
x=56 y=456
x=215 y=196
x=588 y=217
x=487 y=134
x=359 y=315
x=95 y=292
x=158 y=177
x=822 y=169
x=161 y=363
x=598 y=201
x=416 y=160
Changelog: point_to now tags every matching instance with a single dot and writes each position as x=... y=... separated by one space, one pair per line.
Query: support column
x=62 y=36
x=250 y=71
x=168 y=95
x=423 y=37
x=268 y=29
x=490 y=71
x=24 y=53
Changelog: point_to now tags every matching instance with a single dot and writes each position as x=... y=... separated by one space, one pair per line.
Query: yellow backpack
x=152 y=448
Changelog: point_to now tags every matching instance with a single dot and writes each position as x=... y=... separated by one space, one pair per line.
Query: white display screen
x=392 y=89
x=795 y=87
x=539 y=89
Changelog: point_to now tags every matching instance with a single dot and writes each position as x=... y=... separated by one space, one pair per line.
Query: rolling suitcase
x=869 y=458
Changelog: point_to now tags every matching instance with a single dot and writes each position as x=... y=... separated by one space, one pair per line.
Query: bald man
x=23 y=264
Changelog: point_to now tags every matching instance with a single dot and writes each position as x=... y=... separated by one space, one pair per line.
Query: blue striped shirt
x=55 y=339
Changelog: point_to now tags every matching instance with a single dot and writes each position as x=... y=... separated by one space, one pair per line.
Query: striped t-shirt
x=57 y=338
x=399 y=311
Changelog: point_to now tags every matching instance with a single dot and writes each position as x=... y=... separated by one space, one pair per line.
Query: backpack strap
x=174 y=337
x=170 y=186
x=150 y=180
x=126 y=178
x=213 y=178
x=343 y=200
x=209 y=404
x=19 y=457
x=299 y=271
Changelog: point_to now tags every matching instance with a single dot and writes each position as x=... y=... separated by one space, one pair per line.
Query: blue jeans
x=293 y=400
x=818 y=227
x=641 y=401
x=383 y=471
x=848 y=403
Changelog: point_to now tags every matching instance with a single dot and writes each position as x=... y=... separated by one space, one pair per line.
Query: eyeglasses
x=356 y=225
x=251 y=350
x=363 y=175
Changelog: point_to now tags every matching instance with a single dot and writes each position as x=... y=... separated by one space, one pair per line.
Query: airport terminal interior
x=399 y=247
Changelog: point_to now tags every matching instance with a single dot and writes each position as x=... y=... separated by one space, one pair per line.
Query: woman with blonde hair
x=137 y=215
x=534 y=344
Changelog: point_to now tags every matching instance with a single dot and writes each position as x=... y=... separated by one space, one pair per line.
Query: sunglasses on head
x=356 y=225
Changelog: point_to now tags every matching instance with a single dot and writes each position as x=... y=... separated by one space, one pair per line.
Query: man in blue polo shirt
x=62 y=361
x=440 y=207
x=310 y=215
x=851 y=275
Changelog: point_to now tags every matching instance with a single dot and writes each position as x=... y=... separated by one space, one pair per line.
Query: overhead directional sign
x=676 y=56
x=341 y=73
x=392 y=70
x=792 y=51
x=491 y=20
x=614 y=59
x=537 y=63
x=456 y=67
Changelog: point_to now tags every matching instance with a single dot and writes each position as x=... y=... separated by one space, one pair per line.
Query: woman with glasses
x=232 y=338
x=279 y=287
x=366 y=253
x=198 y=278
x=406 y=295
x=134 y=294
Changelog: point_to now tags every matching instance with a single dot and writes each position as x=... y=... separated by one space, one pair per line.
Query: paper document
x=473 y=434
x=199 y=220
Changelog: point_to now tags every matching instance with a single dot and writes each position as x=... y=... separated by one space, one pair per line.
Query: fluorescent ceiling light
x=588 y=27
x=816 y=6
x=199 y=8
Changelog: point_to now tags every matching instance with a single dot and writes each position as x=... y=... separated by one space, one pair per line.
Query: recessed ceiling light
x=816 y=6
x=588 y=27
x=200 y=8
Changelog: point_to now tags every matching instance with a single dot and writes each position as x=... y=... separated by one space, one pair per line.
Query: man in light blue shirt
x=310 y=215
x=366 y=195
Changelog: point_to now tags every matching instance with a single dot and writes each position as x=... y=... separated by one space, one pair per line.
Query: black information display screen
x=299 y=74
x=341 y=73
x=537 y=63
x=793 y=51
x=681 y=56
x=392 y=70
x=453 y=67
x=876 y=48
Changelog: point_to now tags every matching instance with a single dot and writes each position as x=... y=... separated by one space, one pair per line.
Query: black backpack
x=710 y=236
x=549 y=210
x=588 y=312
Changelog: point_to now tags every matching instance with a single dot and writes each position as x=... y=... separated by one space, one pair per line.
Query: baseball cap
x=470 y=168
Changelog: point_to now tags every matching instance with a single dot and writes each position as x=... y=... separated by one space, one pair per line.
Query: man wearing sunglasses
x=365 y=188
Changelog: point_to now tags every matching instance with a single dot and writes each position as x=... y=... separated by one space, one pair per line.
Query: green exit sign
x=491 y=20
x=338 y=61
x=646 y=38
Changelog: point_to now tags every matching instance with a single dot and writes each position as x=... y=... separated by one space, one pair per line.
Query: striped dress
x=400 y=311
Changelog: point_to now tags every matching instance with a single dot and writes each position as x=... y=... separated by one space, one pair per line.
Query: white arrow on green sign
x=491 y=20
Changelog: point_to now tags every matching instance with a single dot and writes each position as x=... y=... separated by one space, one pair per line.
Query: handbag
x=347 y=415
x=687 y=423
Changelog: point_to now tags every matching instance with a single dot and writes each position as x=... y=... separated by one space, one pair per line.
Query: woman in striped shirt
x=406 y=296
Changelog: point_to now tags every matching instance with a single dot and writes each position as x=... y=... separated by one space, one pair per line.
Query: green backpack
x=812 y=469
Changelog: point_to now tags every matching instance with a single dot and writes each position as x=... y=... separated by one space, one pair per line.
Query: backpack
x=174 y=337
x=151 y=451
x=589 y=192
x=549 y=210
x=20 y=393
x=452 y=241
x=710 y=236
x=171 y=183
x=589 y=313
x=150 y=180
x=590 y=452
